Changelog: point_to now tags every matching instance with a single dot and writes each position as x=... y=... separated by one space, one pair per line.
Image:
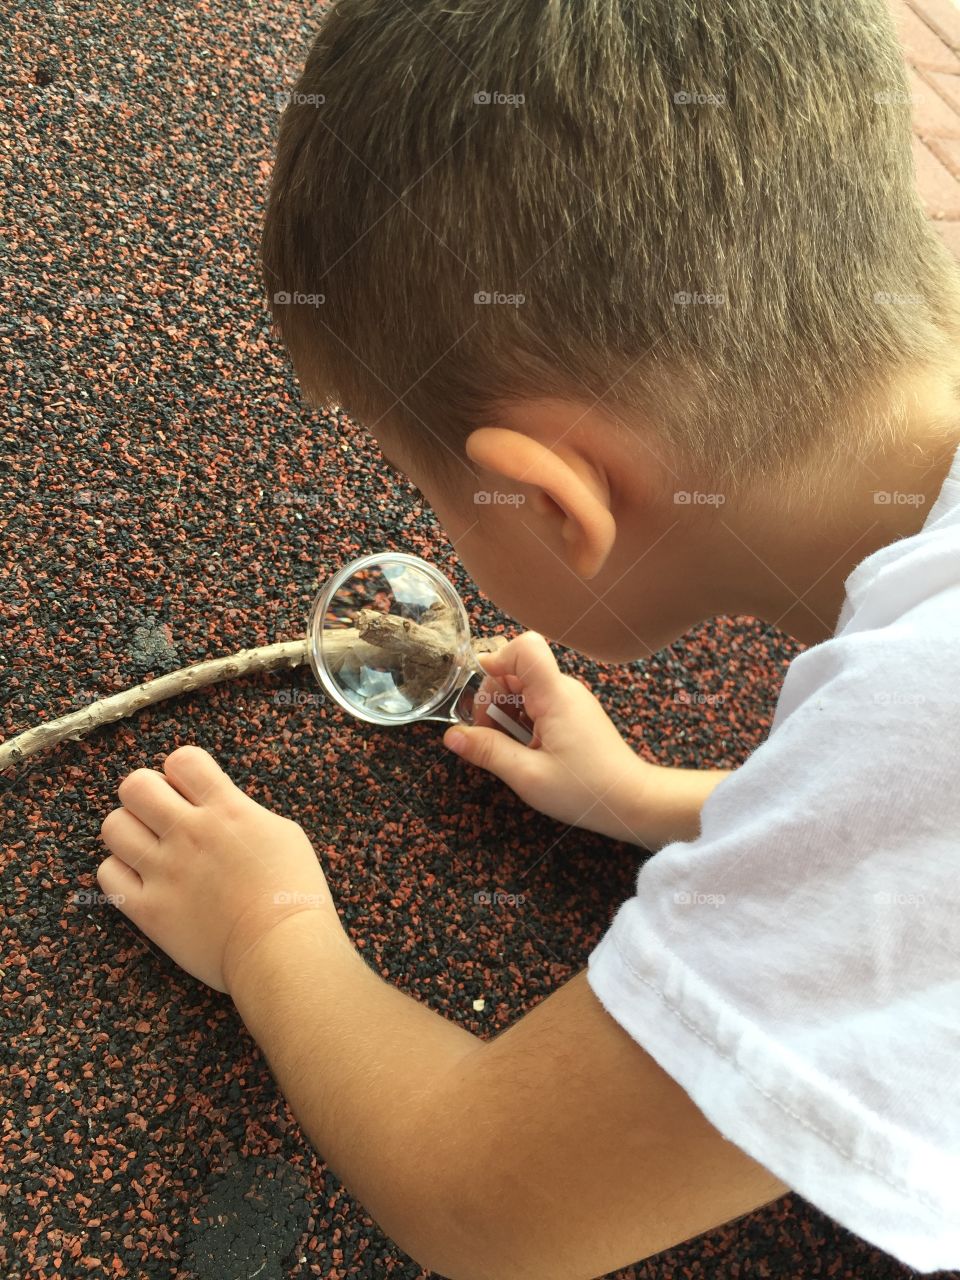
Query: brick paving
x=930 y=34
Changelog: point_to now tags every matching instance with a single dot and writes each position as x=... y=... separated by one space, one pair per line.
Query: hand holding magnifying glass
x=389 y=640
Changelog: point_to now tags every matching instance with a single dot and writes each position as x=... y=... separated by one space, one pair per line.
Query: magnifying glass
x=389 y=640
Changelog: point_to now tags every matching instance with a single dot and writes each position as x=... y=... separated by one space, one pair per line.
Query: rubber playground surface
x=166 y=499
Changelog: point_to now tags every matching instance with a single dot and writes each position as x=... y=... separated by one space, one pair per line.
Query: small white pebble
x=478 y=1004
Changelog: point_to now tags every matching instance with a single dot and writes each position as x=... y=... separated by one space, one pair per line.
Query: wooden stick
x=274 y=657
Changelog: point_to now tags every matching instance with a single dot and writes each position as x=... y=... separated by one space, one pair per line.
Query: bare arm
x=680 y=796
x=559 y=1149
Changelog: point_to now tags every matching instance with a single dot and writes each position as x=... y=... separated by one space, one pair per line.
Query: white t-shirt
x=796 y=968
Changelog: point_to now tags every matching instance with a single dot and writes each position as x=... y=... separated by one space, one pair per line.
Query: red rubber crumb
x=167 y=499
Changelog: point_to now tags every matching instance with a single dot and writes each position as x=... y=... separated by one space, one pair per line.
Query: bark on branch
x=420 y=652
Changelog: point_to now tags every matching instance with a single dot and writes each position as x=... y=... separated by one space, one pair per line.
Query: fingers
x=122 y=885
x=127 y=837
x=491 y=750
x=149 y=796
x=118 y=879
x=197 y=776
x=527 y=664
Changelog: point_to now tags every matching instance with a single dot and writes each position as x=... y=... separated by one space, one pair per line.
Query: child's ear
x=567 y=488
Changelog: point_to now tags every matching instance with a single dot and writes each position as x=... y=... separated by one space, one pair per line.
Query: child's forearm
x=668 y=807
x=356 y=1059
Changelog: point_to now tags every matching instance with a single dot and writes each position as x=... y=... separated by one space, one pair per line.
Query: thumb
x=489 y=749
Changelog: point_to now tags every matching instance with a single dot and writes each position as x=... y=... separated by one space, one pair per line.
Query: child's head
x=667 y=249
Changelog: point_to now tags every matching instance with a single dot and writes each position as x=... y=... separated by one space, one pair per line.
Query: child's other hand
x=577 y=769
x=202 y=868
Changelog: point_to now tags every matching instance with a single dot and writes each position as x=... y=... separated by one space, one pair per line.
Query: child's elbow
x=467 y=1234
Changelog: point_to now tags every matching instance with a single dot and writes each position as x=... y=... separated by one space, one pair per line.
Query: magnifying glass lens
x=389 y=638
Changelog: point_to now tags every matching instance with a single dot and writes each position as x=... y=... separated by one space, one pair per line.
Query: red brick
x=923 y=47
x=947 y=151
x=932 y=116
x=950 y=231
x=939 y=190
x=943 y=16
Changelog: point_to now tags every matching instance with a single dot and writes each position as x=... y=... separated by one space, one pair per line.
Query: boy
x=658 y=270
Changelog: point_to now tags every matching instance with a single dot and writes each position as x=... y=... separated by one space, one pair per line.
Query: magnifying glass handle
x=459 y=710
x=504 y=721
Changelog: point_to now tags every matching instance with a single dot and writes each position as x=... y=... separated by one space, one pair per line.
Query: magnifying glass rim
x=315 y=629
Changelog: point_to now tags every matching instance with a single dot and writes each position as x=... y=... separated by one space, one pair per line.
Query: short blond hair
x=703 y=214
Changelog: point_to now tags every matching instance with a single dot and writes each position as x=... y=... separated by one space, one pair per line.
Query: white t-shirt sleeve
x=796 y=968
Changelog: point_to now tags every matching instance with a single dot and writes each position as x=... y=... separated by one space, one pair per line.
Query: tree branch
x=420 y=653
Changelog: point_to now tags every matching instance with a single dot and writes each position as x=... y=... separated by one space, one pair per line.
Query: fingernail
x=456 y=741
